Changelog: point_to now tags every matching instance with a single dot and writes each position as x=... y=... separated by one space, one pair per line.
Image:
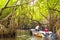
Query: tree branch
x=47 y=4
x=56 y=3
x=43 y=16
x=54 y=9
x=6 y=3
x=17 y=5
x=9 y=14
x=4 y=7
x=6 y=17
x=12 y=6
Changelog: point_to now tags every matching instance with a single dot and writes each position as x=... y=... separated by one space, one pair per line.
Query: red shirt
x=46 y=30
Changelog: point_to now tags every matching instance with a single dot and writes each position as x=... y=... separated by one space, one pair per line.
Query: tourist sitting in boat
x=37 y=28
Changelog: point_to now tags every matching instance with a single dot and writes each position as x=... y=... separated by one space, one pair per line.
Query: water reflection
x=7 y=39
x=37 y=38
x=31 y=38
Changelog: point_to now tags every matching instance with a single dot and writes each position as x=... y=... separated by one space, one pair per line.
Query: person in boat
x=38 y=27
x=46 y=31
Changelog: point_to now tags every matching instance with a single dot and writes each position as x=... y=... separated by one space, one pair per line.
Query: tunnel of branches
x=16 y=14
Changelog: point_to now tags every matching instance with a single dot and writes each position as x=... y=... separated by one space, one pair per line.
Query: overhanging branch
x=56 y=4
x=18 y=5
x=44 y=16
x=12 y=6
x=4 y=7
x=6 y=3
x=54 y=9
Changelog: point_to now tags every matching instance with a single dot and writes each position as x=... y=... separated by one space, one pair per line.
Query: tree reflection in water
x=7 y=39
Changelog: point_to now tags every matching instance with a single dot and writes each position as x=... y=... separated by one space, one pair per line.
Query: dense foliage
x=26 y=11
